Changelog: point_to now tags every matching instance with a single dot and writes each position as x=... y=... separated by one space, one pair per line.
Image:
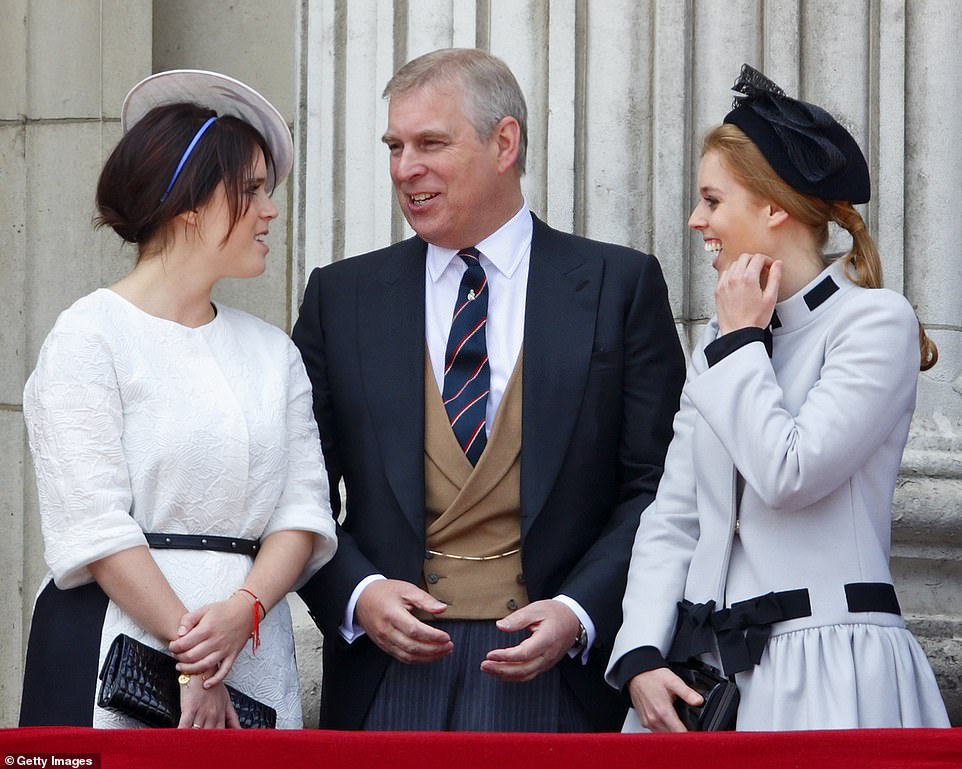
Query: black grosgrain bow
x=744 y=630
x=799 y=126
x=694 y=633
x=741 y=631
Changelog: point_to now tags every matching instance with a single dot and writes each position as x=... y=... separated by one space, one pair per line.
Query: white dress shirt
x=505 y=257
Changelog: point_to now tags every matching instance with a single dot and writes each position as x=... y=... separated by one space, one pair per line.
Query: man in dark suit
x=497 y=397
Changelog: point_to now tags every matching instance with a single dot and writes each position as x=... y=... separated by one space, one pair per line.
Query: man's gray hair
x=490 y=90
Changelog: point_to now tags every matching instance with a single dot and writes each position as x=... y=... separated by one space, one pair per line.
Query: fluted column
x=59 y=106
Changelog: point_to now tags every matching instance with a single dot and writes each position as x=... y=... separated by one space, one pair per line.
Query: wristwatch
x=581 y=642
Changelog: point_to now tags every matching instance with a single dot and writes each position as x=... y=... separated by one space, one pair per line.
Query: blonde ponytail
x=863 y=266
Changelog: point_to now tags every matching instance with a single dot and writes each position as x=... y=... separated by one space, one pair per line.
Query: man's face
x=452 y=186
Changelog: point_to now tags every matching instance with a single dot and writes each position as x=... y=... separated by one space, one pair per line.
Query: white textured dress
x=139 y=424
x=780 y=477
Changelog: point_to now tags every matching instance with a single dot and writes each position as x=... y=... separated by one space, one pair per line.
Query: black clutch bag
x=141 y=682
x=720 y=708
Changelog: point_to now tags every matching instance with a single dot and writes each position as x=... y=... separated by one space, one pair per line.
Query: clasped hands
x=384 y=610
x=209 y=640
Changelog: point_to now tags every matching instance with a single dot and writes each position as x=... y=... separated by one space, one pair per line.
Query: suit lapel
x=559 y=327
x=391 y=337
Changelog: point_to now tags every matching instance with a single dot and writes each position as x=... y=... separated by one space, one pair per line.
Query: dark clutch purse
x=141 y=682
x=720 y=709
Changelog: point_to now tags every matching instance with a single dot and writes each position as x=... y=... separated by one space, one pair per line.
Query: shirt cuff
x=585 y=620
x=639 y=660
x=727 y=344
x=350 y=631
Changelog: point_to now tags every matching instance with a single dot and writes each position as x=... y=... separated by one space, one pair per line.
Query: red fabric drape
x=149 y=748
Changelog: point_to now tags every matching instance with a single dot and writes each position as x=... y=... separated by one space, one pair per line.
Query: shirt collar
x=505 y=248
x=815 y=297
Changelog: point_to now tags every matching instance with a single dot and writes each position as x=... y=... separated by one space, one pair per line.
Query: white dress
x=139 y=424
x=780 y=477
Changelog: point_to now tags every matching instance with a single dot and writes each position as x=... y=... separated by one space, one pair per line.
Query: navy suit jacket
x=603 y=371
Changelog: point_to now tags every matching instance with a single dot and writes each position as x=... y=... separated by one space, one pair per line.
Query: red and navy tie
x=467 y=376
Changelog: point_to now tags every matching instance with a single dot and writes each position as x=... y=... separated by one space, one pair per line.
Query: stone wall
x=619 y=92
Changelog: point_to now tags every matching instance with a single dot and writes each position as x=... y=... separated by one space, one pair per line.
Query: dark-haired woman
x=766 y=551
x=181 y=484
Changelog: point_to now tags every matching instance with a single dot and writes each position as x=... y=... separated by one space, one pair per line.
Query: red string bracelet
x=257 y=607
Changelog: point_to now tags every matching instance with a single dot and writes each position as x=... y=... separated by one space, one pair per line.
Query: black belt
x=202 y=542
x=743 y=629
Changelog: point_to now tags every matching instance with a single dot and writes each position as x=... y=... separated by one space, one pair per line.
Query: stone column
x=927 y=537
x=60 y=100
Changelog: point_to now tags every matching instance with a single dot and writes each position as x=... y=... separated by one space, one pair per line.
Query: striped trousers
x=453 y=694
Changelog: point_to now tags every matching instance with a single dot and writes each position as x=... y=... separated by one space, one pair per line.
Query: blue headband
x=183 y=158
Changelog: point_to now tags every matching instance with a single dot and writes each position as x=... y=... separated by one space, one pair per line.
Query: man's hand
x=384 y=611
x=653 y=697
x=554 y=628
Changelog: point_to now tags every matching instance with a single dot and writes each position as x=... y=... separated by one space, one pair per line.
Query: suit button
x=519 y=579
x=428 y=555
x=511 y=604
x=433 y=578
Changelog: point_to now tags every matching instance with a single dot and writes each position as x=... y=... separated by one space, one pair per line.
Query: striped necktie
x=467 y=376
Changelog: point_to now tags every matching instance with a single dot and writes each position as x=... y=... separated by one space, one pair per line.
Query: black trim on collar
x=821 y=292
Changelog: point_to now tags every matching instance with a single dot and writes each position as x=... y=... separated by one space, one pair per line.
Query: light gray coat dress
x=780 y=476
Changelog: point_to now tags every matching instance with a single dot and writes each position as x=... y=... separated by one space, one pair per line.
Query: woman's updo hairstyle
x=132 y=195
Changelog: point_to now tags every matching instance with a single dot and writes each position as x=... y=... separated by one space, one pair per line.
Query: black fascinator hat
x=804 y=144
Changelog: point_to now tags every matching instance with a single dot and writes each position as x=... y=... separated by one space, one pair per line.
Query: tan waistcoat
x=474 y=511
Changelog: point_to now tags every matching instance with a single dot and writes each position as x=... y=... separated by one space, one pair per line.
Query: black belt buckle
x=719 y=711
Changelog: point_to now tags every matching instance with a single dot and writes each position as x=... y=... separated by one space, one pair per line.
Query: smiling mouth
x=421 y=198
x=713 y=246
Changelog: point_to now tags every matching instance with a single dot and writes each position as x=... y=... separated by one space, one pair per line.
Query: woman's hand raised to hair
x=746 y=292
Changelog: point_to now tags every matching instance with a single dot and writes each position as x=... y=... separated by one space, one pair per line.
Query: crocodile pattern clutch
x=141 y=682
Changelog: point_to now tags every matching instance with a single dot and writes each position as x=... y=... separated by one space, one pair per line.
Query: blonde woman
x=766 y=551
